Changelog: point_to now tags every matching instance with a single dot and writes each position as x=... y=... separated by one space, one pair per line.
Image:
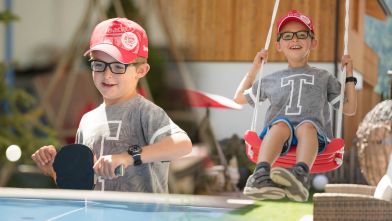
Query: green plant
x=7 y=16
x=21 y=121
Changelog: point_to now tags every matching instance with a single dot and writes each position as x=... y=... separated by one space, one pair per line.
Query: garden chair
x=354 y=201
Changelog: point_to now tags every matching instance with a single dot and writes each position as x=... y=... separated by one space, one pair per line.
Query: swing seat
x=330 y=159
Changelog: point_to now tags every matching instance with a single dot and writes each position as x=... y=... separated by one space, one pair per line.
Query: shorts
x=293 y=141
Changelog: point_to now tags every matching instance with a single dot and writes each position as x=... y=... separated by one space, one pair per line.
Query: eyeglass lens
x=116 y=68
x=298 y=34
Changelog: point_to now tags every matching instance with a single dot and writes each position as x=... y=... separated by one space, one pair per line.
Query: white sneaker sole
x=295 y=190
x=264 y=193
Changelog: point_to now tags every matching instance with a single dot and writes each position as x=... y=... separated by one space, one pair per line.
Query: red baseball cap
x=295 y=15
x=121 y=38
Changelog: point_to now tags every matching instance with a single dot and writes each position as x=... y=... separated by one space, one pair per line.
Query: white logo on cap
x=129 y=40
x=305 y=19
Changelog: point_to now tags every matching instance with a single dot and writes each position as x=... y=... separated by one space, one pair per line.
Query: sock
x=264 y=164
x=303 y=166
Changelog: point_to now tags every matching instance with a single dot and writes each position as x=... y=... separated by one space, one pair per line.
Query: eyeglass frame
x=308 y=34
x=110 y=67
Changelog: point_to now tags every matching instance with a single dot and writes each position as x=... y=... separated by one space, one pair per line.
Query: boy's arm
x=350 y=103
x=169 y=148
x=249 y=78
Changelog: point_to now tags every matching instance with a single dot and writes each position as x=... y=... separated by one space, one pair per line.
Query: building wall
x=43 y=25
x=234 y=30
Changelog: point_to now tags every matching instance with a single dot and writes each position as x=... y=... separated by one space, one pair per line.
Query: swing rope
x=342 y=78
x=267 y=43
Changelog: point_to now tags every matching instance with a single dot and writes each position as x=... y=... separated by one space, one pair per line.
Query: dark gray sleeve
x=251 y=93
x=333 y=91
x=157 y=125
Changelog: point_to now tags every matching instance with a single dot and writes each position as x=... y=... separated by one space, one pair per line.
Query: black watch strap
x=351 y=79
x=135 y=151
x=137 y=160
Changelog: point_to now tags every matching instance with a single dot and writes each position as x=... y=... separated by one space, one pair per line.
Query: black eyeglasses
x=115 y=67
x=298 y=34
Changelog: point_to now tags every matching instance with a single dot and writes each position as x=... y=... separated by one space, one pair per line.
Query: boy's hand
x=348 y=62
x=44 y=157
x=105 y=166
x=260 y=57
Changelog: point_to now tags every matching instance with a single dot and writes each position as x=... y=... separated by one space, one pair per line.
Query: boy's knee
x=306 y=128
x=281 y=127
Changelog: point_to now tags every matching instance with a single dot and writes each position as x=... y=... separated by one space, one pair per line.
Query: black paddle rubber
x=74 y=167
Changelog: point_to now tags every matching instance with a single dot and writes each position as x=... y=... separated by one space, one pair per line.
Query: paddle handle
x=119 y=171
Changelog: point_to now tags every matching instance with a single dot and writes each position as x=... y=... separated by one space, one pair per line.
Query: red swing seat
x=330 y=159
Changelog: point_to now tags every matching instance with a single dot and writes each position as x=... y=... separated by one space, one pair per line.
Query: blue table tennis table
x=76 y=205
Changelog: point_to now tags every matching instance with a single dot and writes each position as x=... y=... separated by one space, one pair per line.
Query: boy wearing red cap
x=126 y=128
x=299 y=114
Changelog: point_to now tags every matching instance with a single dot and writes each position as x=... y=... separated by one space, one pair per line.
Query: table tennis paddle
x=73 y=165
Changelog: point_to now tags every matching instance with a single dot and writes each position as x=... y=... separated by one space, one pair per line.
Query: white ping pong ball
x=320 y=181
x=13 y=153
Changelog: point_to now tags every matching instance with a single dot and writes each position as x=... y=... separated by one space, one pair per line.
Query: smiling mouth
x=295 y=47
x=107 y=85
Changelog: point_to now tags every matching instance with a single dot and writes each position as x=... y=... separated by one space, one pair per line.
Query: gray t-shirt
x=112 y=129
x=299 y=94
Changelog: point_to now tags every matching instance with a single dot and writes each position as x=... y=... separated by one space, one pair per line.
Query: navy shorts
x=292 y=141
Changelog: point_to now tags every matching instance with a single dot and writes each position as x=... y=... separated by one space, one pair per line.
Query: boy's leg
x=308 y=144
x=273 y=142
x=260 y=186
x=296 y=179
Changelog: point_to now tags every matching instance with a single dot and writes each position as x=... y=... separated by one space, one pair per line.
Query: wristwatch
x=135 y=151
x=351 y=79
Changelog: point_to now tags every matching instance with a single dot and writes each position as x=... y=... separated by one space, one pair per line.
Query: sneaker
x=296 y=181
x=260 y=186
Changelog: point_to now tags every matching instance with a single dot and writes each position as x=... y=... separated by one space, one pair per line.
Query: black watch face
x=134 y=149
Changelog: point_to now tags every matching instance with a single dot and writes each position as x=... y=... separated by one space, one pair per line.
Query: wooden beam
x=377 y=9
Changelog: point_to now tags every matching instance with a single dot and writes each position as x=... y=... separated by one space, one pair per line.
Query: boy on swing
x=299 y=113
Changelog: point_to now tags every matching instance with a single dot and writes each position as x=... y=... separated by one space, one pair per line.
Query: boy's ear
x=314 y=43
x=277 y=46
x=142 y=70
